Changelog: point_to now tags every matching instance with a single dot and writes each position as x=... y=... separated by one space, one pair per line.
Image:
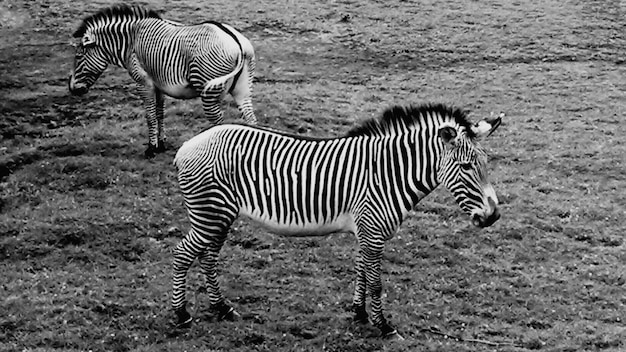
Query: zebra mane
x=121 y=10
x=399 y=118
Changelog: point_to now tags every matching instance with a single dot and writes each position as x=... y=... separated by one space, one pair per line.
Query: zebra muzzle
x=482 y=220
x=76 y=89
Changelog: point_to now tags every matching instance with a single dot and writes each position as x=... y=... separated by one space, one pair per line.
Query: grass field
x=87 y=224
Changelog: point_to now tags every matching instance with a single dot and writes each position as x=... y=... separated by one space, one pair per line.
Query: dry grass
x=86 y=222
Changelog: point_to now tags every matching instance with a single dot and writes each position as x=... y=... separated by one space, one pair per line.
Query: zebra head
x=463 y=169
x=104 y=38
x=90 y=61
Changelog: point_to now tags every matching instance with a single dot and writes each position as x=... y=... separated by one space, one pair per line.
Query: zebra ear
x=88 y=40
x=485 y=127
x=448 y=135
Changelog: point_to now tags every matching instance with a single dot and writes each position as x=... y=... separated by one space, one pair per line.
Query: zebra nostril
x=477 y=220
x=78 y=90
x=496 y=215
x=486 y=221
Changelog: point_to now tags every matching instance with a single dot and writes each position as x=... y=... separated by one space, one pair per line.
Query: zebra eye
x=80 y=50
x=466 y=166
x=88 y=40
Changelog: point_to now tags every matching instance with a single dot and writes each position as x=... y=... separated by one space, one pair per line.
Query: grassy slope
x=86 y=222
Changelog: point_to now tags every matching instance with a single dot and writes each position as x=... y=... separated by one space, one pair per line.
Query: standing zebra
x=165 y=57
x=365 y=183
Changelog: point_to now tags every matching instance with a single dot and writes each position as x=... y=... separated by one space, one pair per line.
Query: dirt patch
x=11 y=18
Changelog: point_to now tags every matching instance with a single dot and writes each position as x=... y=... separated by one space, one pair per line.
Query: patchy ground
x=87 y=224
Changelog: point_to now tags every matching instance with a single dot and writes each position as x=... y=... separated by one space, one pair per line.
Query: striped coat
x=364 y=183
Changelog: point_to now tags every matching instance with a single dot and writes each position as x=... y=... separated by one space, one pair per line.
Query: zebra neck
x=406 y=169
x=118 y=50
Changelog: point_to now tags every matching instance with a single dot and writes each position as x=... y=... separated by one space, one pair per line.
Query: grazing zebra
x=166 y=58
x=365 y=183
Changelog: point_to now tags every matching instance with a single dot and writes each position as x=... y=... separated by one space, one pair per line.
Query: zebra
x=365 y=183
x=166 y=58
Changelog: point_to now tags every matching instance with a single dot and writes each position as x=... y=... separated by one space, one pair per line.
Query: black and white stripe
x=167 y=58
x=365 y=183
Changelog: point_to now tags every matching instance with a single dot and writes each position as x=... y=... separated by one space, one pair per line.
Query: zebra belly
x=342 y=223
x=180 y=91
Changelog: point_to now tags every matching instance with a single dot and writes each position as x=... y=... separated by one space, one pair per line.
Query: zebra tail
x=216 y=82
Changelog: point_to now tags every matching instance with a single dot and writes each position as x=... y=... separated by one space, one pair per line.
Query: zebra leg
x=358 y=303
x=153 y=101
x=160 y=103
x=211 y=105
x=242 y=93
x=184 y=255
x=154 y=105
x=208 y=263
x=212 y=209
x=372 y=258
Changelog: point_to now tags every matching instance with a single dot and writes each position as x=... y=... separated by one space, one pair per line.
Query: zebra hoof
x=231 y=315
x=225 y=312
x=160 y=148
x=150 y=151
x=185 y=324
x=153 y=150
x=183 y=319
x=393 y=336
x=360 y=315
x=389 y=333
